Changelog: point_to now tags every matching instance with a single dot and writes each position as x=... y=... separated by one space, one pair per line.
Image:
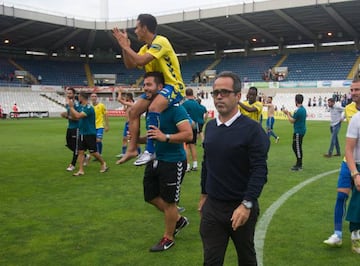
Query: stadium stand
x=7 y=70
x=323 y=65
x=248 y=68
x=320 y=65
x=62 y=73
x=28 y=101
x=190 y=68
x=286 y=100
x=302 y=67
x=123 y=75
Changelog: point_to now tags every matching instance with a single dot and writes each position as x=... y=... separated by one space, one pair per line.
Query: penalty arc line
x=265 y=219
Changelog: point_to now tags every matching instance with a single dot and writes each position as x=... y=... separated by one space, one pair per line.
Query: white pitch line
x=265 y=219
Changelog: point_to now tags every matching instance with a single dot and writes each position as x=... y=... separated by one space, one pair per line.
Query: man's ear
x=238 y=95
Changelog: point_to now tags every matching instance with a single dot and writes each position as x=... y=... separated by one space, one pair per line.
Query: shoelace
x=164 y=240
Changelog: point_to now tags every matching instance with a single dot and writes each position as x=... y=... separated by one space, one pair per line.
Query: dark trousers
x=72 y=142
x=216 y=230
x=297 y=148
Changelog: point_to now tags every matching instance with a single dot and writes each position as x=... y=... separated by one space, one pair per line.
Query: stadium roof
x=242 y=26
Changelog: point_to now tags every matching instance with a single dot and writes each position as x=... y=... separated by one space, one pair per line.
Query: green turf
x=48 y=217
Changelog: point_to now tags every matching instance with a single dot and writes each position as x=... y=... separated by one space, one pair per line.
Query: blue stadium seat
x=249 y=68
x=189 y=68
x=320 y=65
x=55 y=72
x=7 y=69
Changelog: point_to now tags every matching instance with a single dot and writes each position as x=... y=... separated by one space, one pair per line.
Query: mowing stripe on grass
x=265 y=219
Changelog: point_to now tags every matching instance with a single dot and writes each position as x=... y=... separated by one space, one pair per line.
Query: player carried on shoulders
x=157 y=54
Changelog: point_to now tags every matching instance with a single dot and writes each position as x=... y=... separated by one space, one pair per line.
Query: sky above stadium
x=117 y=9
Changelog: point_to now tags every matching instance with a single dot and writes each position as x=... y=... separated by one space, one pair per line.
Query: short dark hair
x=331 y=100
x=71 y=89
x=158 y=77
x=130 y=95
x=149 y=21
x=234 y=77
x=189 y=92
x=84 y=95
x=299 y=98
x=254 y=89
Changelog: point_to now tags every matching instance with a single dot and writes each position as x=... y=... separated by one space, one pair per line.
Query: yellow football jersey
x=100 y=112
x=165 y=62
x=253 y=115
x=350 y=110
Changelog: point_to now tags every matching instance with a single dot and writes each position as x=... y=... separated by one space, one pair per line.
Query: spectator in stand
x=198 y=76
x=269 y=74
x=344 y=102
x=336 y=117
x=349 y=100
x=320 y=101
x=335 y=96
x=15 y=110
x=280 y=77
x=325 y=100
x=1 y=112
x=11 y=77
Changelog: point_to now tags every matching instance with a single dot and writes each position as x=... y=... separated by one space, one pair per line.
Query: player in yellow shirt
x=157 y=54
x=251 y=107
x=350 y=111
x=101 y=120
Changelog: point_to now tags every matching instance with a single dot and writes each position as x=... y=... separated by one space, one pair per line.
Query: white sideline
x=265 y=219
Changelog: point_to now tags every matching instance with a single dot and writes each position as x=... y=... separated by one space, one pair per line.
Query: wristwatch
x=247 y=204
x=167 y=137
x=354 y=174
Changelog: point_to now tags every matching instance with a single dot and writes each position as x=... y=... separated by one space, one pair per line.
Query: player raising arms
x=157 y=54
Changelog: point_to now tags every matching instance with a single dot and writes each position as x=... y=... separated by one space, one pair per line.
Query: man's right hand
x=202 y=200
x=122 y=37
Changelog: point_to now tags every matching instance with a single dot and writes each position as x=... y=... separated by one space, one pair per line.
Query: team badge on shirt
x=156 y=46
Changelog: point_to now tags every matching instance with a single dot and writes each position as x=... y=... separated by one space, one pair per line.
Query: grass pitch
x=49 y=217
